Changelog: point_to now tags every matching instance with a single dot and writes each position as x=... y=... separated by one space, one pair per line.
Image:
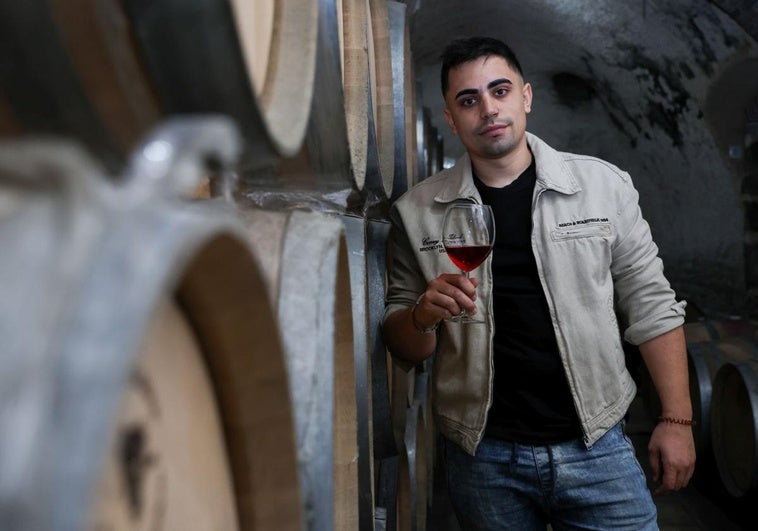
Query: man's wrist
x=418 y=326
x=683 y=421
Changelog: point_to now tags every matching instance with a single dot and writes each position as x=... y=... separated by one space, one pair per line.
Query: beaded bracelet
x=422 y=329
x=683 y=422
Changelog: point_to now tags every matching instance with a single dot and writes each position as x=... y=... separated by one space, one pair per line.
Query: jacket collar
x=552 y=171
x=552 y=174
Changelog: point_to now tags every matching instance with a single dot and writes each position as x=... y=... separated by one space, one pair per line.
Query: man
x=531 y=403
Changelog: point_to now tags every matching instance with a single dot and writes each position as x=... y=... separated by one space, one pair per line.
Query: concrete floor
x=699 y=507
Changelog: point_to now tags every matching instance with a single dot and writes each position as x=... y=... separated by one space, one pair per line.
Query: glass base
x=465 y=318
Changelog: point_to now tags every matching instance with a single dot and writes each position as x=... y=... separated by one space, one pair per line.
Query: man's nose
x=488 y=107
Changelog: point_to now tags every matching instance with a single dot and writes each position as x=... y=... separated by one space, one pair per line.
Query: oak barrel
x=365 y=64
x=339 y=166
x=412 y=477
x=307 y=279
x=704 y=360
x=356 y=236
x=376 y=285
x=149 y=391
x=734 y=426
x=423 y=393
x=715 y=329
x=404 y=103
x=168 y=429
x=106 y=72
x=383 y=96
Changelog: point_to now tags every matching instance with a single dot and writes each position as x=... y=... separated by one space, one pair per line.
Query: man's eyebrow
x=466 y=92
x=491 y=84
x=501 y=81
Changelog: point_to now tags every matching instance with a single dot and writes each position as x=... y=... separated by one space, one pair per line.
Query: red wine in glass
x=468 y=258
x=468 y=235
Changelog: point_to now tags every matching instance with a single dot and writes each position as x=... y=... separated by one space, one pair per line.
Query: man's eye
x=502 y=91
x=468 y=102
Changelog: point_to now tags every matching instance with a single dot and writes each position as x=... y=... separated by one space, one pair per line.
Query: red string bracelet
x=683 y=422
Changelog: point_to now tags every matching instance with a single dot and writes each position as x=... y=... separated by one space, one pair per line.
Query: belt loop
x=552 y=466
x=514 y=457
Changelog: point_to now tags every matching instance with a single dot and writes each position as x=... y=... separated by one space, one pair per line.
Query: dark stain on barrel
x=135 y=460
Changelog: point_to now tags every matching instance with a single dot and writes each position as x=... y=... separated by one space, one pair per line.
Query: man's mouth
x=492 y=129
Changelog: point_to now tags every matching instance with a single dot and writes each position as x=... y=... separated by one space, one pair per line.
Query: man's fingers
x=456 y=301
x=672 y=457
x=454 y=293
x=674 y=476
x=464 y=284
x=655 y=463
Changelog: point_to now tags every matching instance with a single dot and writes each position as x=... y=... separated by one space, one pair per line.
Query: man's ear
x=527 y=93
x=449 y=120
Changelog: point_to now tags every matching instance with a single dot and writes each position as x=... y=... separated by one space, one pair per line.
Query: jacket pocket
x=597 y=230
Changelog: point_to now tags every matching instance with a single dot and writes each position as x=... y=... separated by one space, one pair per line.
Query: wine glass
x=468 y=234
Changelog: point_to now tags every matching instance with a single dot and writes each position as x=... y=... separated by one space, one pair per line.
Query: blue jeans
x=515 y=486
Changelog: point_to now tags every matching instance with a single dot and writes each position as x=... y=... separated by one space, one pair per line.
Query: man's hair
x=467 y=49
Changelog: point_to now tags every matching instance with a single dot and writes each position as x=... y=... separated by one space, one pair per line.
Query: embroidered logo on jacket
x=583 y=222
x=428 y=244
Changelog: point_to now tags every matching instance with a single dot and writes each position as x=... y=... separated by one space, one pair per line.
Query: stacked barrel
x=193 y=202
x=722 y=356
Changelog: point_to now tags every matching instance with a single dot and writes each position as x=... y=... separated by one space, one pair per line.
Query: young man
x=531 y=403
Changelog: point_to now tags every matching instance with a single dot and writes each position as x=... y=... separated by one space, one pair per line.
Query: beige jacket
x=594 y=254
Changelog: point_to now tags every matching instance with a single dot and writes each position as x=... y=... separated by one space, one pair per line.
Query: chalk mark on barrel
x=135 y=460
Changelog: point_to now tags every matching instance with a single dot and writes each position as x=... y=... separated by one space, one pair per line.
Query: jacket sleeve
x=405 y=281
x=644 y=295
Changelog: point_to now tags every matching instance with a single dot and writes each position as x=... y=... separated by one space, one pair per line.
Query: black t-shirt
x=532 y=402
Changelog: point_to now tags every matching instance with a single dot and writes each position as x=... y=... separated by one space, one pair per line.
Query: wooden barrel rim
x=167 y=434
x=402 y=383
x=355 y=235
x=704 y=360
x=400 y=97
x=285 y=101
x=256 y=42
x=43 y=90
x=376 y=259
x=382 y=95
x=346 y=507
x=734 y=418
x=99 y=42
x=356 y=81
x=313 y=301
x=422 y=393
x=197 y=44
x=701 y=374
x=412 y=474
x=412 y=106
x=200 y=253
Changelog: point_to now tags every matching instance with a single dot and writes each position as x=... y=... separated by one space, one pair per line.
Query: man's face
x=487 y=103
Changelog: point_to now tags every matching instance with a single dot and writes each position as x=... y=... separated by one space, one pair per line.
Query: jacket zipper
x=554 y=320
x=490 y=333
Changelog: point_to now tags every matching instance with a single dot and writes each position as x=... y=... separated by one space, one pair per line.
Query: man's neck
x=501 y=172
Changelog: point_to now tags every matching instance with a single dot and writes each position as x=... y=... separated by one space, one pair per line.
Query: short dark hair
x=467 y=49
